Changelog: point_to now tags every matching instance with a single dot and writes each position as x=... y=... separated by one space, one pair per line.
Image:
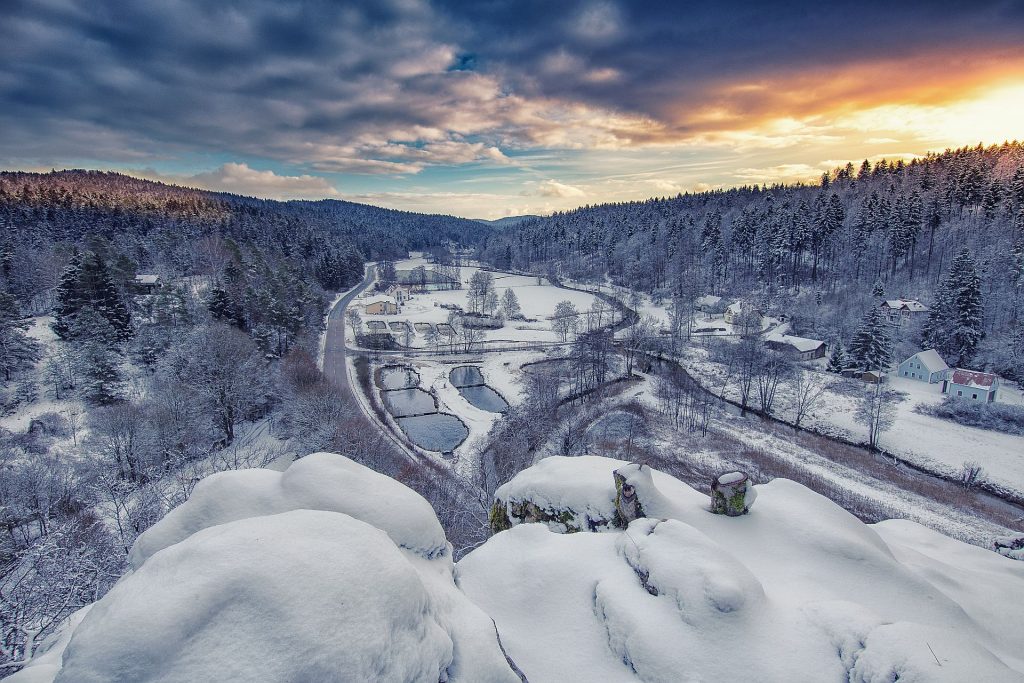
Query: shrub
x=998 y=417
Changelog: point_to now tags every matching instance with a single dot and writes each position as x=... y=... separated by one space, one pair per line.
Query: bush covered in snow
x=1000 y=417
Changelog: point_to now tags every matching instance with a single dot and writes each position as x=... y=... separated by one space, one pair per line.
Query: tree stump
x=627 y=503
x=732 y=494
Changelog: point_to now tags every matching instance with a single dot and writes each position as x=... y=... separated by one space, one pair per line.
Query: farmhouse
x=709 y=304
x=380 y=305
x=145 y=283
x=399 y=293
x=899 y=312
x=975 y=386
x=925 y=366
x=799 y=348
x=735 y=314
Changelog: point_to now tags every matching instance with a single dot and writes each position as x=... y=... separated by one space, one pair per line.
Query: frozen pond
x=397 y=377
x=403 y=402
x=435 y=432
x=484 y=398
x=466 y=376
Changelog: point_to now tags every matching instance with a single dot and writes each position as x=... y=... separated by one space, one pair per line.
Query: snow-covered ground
x=330 y=571
x=326 y=572
x=930 y=442
x=797 y=590
x=537 y=300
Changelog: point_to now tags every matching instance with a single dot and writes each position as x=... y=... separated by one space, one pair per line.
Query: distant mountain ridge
x=508 y=221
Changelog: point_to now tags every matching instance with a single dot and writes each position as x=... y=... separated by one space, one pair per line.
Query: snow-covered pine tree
x=968 y=309
x=99 y=358
x=870 y=348
x=837 y=362
x=18 y=351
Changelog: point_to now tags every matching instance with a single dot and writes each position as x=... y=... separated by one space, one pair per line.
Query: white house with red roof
x=899 y=312
x=972 y=385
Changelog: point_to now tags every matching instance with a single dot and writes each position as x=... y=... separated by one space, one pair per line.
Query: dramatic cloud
x=553 y=188
x=240 y=179
x=390 y=90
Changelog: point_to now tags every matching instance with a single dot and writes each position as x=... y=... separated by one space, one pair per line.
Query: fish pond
x=435 y=432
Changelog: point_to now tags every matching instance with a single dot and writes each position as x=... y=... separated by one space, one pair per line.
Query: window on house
x=959 y=393
x=974 y=396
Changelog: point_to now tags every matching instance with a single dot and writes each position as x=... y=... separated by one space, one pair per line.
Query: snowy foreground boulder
x=797 y=589
x=325 y=572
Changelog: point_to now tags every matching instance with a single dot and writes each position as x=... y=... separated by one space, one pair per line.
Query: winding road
x=335 y=349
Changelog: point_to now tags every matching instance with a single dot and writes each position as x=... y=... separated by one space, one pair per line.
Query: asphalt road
x=334 y=345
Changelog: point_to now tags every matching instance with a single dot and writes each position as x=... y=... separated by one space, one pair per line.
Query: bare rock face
x=732 y=494
x=627 y=502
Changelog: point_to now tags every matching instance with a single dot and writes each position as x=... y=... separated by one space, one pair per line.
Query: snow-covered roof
x=378 y=299
x=735 y=307
x=708 y=300
x=147 y=279
x=931 y=360
x=973 y=379
x=802 y=344
x=912 y=305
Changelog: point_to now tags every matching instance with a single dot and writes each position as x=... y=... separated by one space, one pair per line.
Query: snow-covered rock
x=326 y=572
x=796 y=590
x=321 y=481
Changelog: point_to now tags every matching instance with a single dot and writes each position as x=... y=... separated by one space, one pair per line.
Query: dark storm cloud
x=390 y=86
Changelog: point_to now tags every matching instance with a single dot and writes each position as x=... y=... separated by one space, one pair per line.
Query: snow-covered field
x=930 y=442
x=934 y=443
x=537 y=299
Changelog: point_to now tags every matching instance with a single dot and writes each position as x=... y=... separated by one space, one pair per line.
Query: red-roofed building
x=969 y=384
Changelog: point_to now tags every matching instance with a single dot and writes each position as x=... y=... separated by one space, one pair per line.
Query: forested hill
x=814 y=252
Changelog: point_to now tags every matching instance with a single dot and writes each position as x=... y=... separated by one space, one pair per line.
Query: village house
x=899 y=312
x=380 y=305
x=400 y=293
x=709 y=305
x=924 y=366
x=734 y=314
x=799 y=348
x=974 y=386
x=145 y=283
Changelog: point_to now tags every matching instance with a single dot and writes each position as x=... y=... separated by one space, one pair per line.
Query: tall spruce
x=955 y=323
x=870 y=348
x=86 y=282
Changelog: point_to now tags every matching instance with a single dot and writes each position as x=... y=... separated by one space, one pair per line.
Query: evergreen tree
x=18 y=351
x=86 y=282
x=837 y=361
x=878 y=290
x=955 y=323
x=870 y=348
x=965 y=287
x=99 y=357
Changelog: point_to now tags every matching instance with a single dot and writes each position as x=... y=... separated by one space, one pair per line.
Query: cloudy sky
x=491 y=108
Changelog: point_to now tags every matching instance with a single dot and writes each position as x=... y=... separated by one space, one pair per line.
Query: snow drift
x=796 y=590
x=327 y=571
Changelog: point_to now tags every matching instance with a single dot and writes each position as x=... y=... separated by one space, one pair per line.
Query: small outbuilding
x=380 y=305
x=799 y=348
x=972 y=385
x=925 y=366
x=146 y=283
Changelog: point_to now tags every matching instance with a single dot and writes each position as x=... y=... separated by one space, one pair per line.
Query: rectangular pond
x=436 y=432
x=405 y=402
x=484 y=398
